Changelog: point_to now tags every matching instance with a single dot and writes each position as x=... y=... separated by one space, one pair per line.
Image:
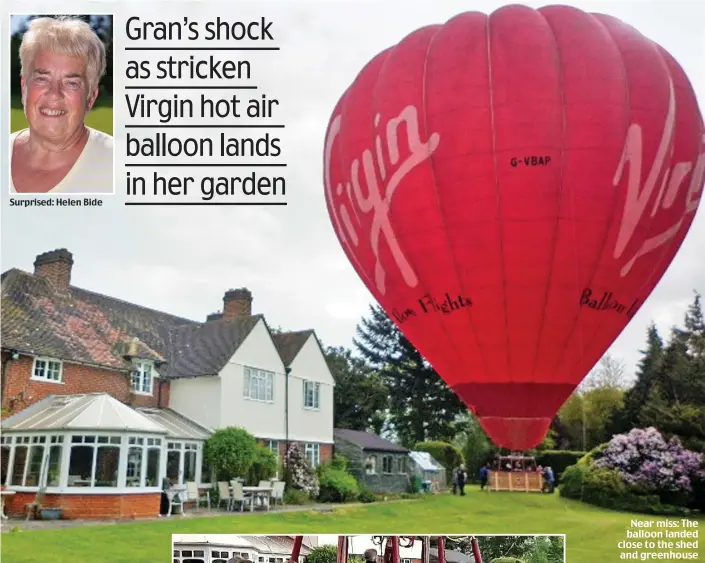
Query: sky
x=182 y=260
x=358 y=545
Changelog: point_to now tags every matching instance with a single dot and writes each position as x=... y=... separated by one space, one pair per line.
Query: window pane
x=189 y=465
x=54 y=466
x=39 y=367
x=4 y=463
x=173 y=458
x=36 y=454
x=80 y=466
x=18 y=465
x=153 y=459
x=134 y=467
x=106 y=466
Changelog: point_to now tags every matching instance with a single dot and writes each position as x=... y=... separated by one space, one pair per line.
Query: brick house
x=188 y=377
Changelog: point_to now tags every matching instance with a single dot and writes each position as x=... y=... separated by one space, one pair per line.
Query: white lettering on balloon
x=637 y=198
x=378 y=200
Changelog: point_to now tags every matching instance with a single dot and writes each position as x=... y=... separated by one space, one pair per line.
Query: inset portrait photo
x=61 y=116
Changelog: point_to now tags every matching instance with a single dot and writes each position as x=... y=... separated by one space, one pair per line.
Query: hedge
x=606 y=488
x=559 y=460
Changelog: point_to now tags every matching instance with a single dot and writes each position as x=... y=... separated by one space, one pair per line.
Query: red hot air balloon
x=511 y=188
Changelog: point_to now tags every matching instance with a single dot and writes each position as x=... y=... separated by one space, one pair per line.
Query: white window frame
x=313 y=454
x=372 y=462
x=273 y=446
x=391 y=464
x=265 y=381
x=44 y=376
x=314 y=388
x=142 y=371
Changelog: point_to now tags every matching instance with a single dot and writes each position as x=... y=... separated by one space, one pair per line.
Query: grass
x=101 y=118
x=592 y=534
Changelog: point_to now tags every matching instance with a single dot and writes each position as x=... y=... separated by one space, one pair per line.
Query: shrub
x=448 y=455
x=606 y=488
x=558 y=460
x=416 y=483
x=337 y=486
x=323 y=554
x=296 y=497
x=506 y=560
x=299 y=474
x=230 y=452
x=264 y=465
x=366 y=494
x=643 y=458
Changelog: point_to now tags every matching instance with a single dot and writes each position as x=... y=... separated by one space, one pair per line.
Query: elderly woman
x=62 y=63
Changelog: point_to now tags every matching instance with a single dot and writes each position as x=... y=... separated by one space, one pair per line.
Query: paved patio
x=22 y=524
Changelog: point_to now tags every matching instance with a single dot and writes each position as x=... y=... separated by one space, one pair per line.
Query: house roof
x=92 y=411
x=263 y=544
x=368 y=441
x=87 y=327
x=289 y=344
x=203 y=349
x=176 y=425
x=451 y=556
x=426 y=461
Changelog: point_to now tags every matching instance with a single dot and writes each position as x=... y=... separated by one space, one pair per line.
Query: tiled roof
x=83 y=326
x=289 y=344
x=368 y=441
x=204 y=349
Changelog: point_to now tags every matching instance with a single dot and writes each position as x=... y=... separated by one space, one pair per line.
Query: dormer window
x=47 y=369
x=142 y=378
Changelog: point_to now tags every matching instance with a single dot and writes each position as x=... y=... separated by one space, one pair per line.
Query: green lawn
x=101 y=118
x=592 y=533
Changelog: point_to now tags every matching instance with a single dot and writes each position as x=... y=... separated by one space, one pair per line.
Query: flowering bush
x=300 y=474
x=644 y=459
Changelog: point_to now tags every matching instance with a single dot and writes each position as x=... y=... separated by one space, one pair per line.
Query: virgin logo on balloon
x=378 y=201
x=638 y=198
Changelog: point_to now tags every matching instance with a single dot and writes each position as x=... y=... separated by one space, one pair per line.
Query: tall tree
x=421 y=406
x=647 y=374
x=360 y=396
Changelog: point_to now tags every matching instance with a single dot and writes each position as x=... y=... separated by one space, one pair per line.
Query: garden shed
x=426 y=467
x=380 y=464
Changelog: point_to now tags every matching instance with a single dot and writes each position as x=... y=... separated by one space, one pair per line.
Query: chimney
x=237 y=303
x=214 y=317
x=55 y=266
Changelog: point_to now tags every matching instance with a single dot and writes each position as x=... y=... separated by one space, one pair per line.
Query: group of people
x=460 y=477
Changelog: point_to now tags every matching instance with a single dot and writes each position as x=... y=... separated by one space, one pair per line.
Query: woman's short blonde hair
x=66 y=36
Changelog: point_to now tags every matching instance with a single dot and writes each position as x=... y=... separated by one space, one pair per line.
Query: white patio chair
x=224 y=494
x=238 y=495
x=194 y=495
x=278 y=492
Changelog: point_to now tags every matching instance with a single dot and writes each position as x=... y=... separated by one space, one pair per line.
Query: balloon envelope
x=511 y=188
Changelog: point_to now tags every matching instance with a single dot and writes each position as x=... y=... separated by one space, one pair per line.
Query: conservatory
x=92 y=456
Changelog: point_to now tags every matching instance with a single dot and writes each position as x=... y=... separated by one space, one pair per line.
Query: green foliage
x=337 y=486
x=606 y=488
x=477 y=449
x=558 y=459
x=506 y=560
x=669 y=393
x=230 y=452
x=366 y=495
x=416 y=484
x=421 y=405
x=323 y=554
x=264 y=465
x=360 y=395
x=296 y=497
x=448 y=455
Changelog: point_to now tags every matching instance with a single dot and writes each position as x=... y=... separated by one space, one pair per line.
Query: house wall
x=311 y=425
x=198 y=399
x=263 y=419
x=22 y=391
x=91 y=507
